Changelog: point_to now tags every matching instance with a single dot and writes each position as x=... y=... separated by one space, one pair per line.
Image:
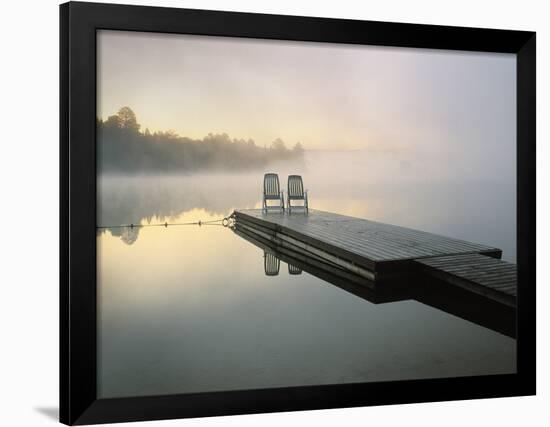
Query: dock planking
x=481 y=274
x=382 y=252
x=369 y=243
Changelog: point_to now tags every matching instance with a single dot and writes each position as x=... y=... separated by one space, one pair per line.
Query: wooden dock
x=380 y=253
x=484 y=275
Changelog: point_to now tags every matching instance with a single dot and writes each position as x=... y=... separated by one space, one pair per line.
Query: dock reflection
x=426 y=290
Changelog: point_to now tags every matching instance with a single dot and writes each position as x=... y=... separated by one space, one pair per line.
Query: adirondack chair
x=272 y=192
x=296 y=192
x=271 y=264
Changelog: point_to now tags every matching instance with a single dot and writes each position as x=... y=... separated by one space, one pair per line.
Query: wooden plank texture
x=482 y=274
x=374 y=241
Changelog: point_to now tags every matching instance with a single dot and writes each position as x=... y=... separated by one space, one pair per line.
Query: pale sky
x=323 y=95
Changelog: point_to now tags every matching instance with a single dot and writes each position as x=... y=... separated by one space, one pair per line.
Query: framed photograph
x=267 y=213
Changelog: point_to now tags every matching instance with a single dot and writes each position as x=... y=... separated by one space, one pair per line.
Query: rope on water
x=225 y=222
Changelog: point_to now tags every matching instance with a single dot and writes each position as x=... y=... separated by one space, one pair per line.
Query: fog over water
x=380 y=186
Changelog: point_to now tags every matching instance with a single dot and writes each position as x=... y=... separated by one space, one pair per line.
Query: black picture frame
x=78 y=25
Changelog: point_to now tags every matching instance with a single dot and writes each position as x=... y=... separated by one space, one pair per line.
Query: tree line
x=123 y=147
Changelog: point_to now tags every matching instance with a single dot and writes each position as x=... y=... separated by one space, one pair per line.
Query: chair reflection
x=272 y=264
x=293 y=270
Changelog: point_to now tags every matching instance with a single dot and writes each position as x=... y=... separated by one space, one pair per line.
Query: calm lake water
x=189 y=309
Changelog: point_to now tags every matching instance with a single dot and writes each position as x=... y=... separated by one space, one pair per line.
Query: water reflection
x=294 y=270
x=271 y=264
x=127 y=234
x=184 y=310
